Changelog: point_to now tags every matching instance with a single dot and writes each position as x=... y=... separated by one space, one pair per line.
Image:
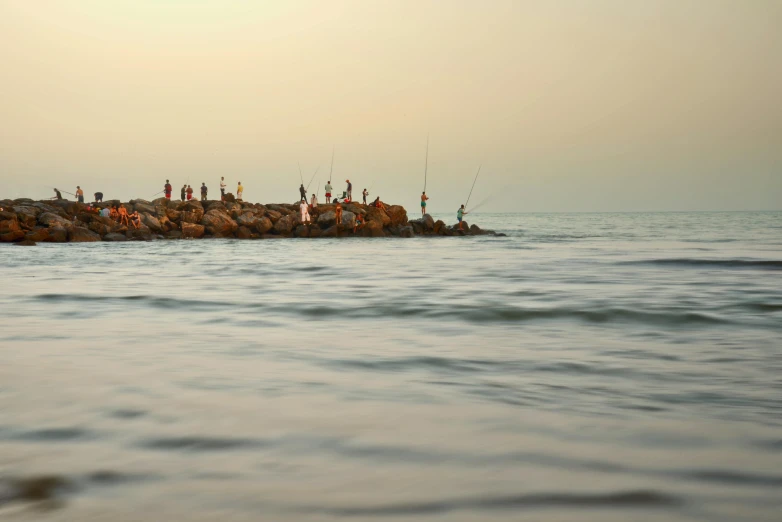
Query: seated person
x=360 y=222
x=114 y=213
x=135 y=219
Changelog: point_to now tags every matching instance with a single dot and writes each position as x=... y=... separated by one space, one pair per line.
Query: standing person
x=99 y=197
x=314 y=202
x=305 y=212
x=222 y=187
x=424 y=199
x=57 y=193
x=328 y=191
x=460 y=214
x=203 y=191
x=183 y=192
x=302 y=193
x=79 y=194
x=168 y=189
x=239 y=191
x=365 y=193
x=350 y=190
x=123 y=215
x=338 y=214
x=189 y=193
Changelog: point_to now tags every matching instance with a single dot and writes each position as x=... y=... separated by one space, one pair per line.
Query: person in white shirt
x=314 y=202
x=328 y=191
x=222 y=187
x=305 y=212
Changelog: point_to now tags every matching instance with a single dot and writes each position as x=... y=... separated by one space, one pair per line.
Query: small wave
x=734 y=478
x=756 y=264
x=641 y=498
x=48 y=435
x=153 y=301
x=200 y=444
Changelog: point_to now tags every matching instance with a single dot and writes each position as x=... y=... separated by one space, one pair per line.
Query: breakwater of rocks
x=27 y=222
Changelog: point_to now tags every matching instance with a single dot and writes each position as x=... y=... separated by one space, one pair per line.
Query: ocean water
x=597 y=367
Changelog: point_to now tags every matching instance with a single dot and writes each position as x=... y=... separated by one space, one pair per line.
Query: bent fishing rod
x=313 y=177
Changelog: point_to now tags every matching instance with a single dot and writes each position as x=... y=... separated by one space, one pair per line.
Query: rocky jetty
x=27 y=222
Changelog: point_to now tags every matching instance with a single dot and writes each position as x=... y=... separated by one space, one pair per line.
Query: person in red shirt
x=189 y=193
x=168 y=188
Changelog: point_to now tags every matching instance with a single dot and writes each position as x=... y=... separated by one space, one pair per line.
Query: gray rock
x=115 y=237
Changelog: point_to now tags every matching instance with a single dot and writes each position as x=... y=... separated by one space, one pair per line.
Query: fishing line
x=473 y=185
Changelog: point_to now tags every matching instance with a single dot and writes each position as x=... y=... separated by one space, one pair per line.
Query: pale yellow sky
x=579 y=105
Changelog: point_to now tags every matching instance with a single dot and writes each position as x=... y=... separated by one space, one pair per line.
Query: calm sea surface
x=598 y=367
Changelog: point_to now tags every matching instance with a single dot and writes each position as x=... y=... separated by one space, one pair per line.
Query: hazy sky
x=570 y=105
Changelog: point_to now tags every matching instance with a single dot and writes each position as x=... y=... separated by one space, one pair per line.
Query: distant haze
x=572 y=105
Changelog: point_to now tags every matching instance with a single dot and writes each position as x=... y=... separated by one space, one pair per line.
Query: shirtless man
x=123 y=215
x=113 y=213
x=424 y=199
x=79 y=194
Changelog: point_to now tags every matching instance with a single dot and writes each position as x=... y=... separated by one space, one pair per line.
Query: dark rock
x=25 y=242
x=115 y=237
x=428 y=222
x=476 y=230
x=143 y=233
x=375 y=214
x=37 y=235
x=191 y=230
x=247 y=219
x=315 y=232
x=439 y=227
x=263 y=225
x=285 y=224
x=57 y=235
x=82 y=235
x=406 y=232
x=151 y=222
x=397 y=214
x=372 y=229
x=10 y=225
x=219 y=224
x=175 y=234
x=99 y=228
x=11 y=237
x=50 y=219
x=229 y=197
x=243 y=233
x=302 y=231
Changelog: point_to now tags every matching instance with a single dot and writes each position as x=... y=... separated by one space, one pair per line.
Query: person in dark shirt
x=58 y=196
x=99 y=197
x=303 y=193
x=203 y=191
x=184 y=190
x=350 y=190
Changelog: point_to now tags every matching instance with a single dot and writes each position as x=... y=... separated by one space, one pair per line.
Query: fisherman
x=365 y=193
x=338 y=214
x=79 y=194
x=424 y=199
x=99 y=197
x=183 y=192
x=203 y=191
x=460 y=214
x=222 y=187
x=123 y=215
x=58 y=194
x=135 y=219
x=189 y=193
x=314 y=202
x=328 y=191
x=350 y=190
x=239 y=191
x=168 y=189
x=305 y=212
x=303 y=193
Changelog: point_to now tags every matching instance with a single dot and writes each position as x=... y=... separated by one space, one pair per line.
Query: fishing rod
x=331 y=169
x=426 y=163
x=473 y=185
x=153 y=195
x=302 y=177
x=69 y=193
x=313 y=177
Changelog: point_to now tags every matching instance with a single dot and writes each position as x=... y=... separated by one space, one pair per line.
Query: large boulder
x=406 y=231
x=428 y=222
x=142 y=233
x=397 y=214
x=151 y=222
x=115 y=237
x=12 y=236
x=25 y=242
x=191 y=230
x=327 y=219
x=439 y=227
x=27 y=216
x=375 y=214
x=38 y=234
x=191 y=216
x=243 y=233
x=285 y=224
x=99 y=228
x=82 y=235
x=273 y=215
x=247 y=219
x=50 y=219
x=57 y=235
x=216 y=205
x=263 y=225
x=143 y=207
x=11 y=224
x=373 y=229
x=219 y=224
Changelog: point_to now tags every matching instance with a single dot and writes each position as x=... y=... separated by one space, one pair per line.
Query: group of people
x=186 y=193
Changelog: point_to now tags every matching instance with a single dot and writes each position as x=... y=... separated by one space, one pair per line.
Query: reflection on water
x=590 y=366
